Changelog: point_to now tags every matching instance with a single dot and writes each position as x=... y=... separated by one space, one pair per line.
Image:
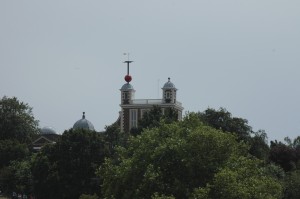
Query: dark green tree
x=223 y=120
x=69 y=166
x=242 y=178
x=283 y=155
x=114 y=137
x=17 y=121
x=12 y=150
x=18 y=127
x=170 y=160
x=153 y=118
x=258 y=145
x=292 y=184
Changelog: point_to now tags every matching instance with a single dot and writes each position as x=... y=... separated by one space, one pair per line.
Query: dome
x=83 y=124
x=47 y=130
x=168 y=84
x=127 y=87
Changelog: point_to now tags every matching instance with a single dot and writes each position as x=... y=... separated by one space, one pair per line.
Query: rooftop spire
x=127 y=77
x=83 y=116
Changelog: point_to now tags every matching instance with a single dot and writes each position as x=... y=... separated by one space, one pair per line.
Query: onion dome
x=127 y=87
x=168 y=84
x=83 y=124
x=47 y=130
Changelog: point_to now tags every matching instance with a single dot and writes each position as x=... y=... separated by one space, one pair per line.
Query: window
x=179 y=115
x=133 y=118
x=168 y=96
x=125 y=95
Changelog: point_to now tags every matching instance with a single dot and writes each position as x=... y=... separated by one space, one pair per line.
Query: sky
x=63 y=57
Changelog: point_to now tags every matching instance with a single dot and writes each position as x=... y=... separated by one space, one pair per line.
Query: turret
x=169 y=92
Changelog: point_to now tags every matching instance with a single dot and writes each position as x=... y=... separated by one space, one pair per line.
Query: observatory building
x=133 y=109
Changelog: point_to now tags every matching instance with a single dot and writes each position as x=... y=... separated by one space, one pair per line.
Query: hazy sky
x=65 y=57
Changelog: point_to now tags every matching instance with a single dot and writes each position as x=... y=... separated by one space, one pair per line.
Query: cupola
x=83 y=124
x=169 y=92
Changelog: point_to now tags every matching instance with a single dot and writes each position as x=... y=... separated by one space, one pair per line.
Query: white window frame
x=133 y=118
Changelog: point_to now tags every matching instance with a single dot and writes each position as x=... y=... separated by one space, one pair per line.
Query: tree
x=258 y=145
x=114 y=137
x=153 y=118
x=11 y=150
x=283 y=155
x=170 y=160
x=17 y=177
x=69 y=166
x=242 y=178
x=17 y=121
x=223 y=120
x=292 y=184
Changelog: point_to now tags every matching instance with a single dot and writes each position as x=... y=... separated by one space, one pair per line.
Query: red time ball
x=128 y=78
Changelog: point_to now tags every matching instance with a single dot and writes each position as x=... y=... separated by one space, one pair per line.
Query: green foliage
x=86 y=196
x=292 y=184
x=17 y=130
x=154 y=117
x=222 y=119
x=242 y=178
x=17 y=177
x=158 y=196
x=11 y=150
x=283 y=155
x=172 y=159
x=16 y=121
x=69 y=166
x=258 y=145
x=113 y=137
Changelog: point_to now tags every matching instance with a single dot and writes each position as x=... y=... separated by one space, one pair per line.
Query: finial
x=169 y=79
x=83 y=116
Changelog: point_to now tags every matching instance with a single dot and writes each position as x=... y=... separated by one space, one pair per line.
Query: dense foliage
x=176 y=159
x=69 y=166
x=16 y=121
x=207 y=155
x=18 y=128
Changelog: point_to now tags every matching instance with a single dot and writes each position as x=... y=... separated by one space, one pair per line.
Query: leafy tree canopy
x=223 y=120
x=16 y=120
x=68 y=167
x=168 y=161
x=153 y=118
x=286 y=155
x=242 y=178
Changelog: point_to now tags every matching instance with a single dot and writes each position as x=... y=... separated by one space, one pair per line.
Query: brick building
x=133 y=109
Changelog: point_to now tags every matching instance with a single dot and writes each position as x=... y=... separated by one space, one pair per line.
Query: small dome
x=127 y=87
x=168 y=84
x=83 y=124
x=47 y=130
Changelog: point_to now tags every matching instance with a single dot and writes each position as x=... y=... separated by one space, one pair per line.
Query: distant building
x=133 y=109
x=84 y=124
x=47 y=136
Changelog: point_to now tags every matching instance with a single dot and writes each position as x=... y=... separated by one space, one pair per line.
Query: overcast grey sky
x=64 y=57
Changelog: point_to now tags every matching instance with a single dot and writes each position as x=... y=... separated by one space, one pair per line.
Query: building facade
x=132 y=109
